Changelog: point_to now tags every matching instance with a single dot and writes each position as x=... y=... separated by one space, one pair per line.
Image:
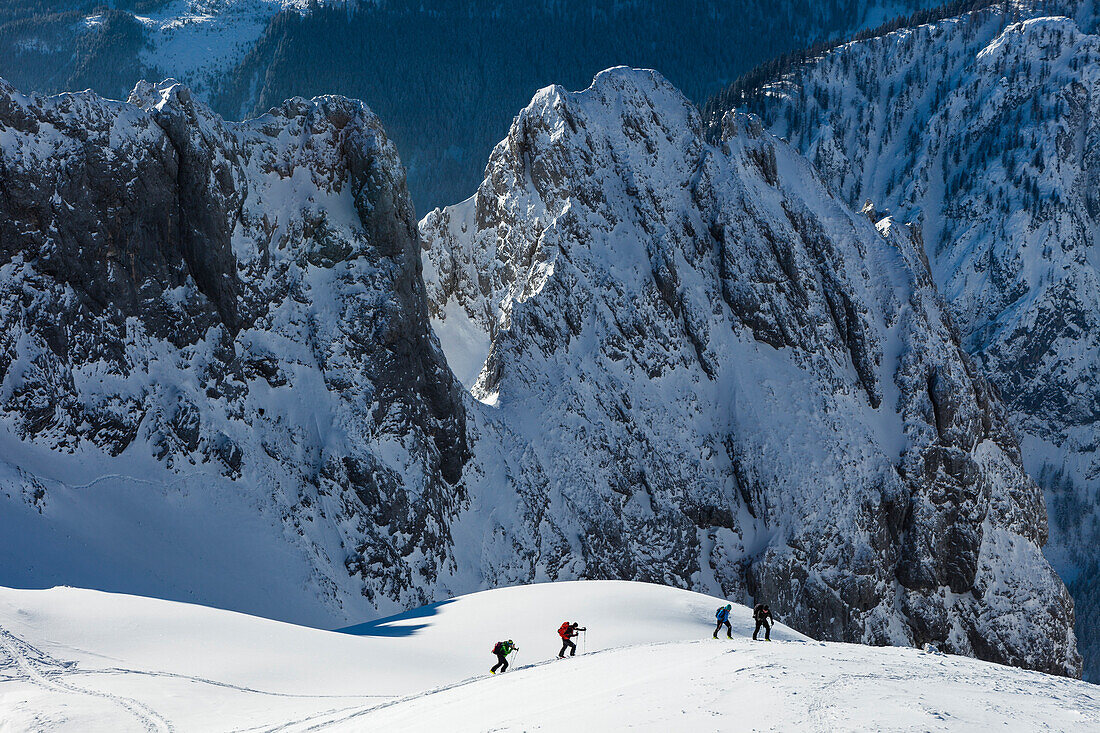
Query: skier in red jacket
x=567 y=631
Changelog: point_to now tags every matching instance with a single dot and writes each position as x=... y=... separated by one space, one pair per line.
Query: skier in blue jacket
x=723 y=616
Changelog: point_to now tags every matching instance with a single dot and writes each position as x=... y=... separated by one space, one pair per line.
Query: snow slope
x=200 y=40
x=85 y=660
x=743 y=685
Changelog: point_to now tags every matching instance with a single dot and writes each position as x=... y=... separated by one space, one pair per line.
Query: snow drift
x=82 y=660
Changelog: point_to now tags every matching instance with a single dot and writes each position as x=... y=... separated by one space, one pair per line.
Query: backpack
x=563 y=630
x=498 y=648
x=721 y=614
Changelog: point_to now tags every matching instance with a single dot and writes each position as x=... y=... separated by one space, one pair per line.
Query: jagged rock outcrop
x=241 y=302
x=983 y=131
x=695 y=366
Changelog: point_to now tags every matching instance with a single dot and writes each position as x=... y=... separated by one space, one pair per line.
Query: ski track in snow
x=18 y=650
x=323 y=720
x=320 y=721
x=215 y=683
x=126 y=478
x=24 y=656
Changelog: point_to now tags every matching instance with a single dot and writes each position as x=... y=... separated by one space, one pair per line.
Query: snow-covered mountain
x=983 y=130
x=699 y=367
x=217 y=379
x=692 y=365
x=78 y=660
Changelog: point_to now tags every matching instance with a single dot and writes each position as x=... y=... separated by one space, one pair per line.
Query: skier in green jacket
x=502 y=649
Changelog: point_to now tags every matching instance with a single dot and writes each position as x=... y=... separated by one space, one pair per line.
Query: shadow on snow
x=381 y=627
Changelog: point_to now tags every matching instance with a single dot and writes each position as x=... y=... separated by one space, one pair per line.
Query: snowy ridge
x=1009 y=204
x=703 y=369
x=78 y=660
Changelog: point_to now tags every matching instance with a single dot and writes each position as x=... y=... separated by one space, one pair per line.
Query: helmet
x=509 y=641
x=729 y=606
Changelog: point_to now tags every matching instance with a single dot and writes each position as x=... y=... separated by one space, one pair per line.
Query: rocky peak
x=188 y=289
x=707 y=370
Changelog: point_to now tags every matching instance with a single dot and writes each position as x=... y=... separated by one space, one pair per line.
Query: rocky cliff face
x=696 y=366
x=238 y=301
x=689 y=363
x=983 y=130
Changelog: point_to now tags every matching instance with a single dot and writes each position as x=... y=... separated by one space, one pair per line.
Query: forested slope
x=445 y=77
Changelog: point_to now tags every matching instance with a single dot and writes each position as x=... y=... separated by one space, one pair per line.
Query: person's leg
x=729 y=630
x=767 y=631
x=497 y=665
x=564 y=646
x=716 y=629
x=503 y=662
x=756 y=630
x=572 y=648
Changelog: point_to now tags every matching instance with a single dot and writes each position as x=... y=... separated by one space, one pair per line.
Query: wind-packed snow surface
x=983 y=130
x=79 y=660
x=700 y=367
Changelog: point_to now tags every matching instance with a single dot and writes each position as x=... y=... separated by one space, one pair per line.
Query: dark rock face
x=990 y=145
x=705 y=370
x=177 y=286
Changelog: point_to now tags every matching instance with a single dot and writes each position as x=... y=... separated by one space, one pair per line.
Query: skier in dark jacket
x=723 y=616
x=502 y=649
x=567 y=631
x=762 y=614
